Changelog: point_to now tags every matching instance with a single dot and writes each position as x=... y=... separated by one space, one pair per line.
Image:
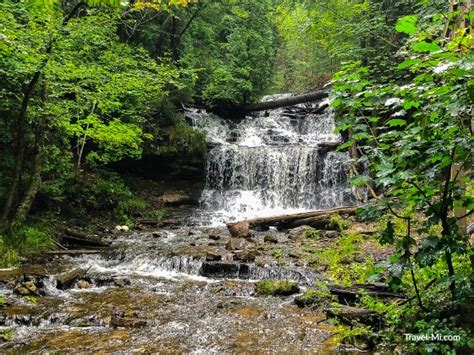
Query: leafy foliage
x=412 y=132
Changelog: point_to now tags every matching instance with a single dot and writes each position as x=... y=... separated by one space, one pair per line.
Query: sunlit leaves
x=396 y=122
x=408 y=63
x=424 y=46
x=407 y=24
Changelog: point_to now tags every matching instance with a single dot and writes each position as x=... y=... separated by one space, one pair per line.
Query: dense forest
x=91 y=88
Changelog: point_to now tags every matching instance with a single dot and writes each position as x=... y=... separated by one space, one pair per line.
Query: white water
x=271 y=163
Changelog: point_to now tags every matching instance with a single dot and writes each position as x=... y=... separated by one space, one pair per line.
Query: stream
x=180 y=288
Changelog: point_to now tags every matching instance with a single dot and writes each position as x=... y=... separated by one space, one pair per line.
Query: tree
x=68 y=77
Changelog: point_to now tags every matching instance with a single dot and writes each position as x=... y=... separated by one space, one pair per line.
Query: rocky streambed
x=176 y=289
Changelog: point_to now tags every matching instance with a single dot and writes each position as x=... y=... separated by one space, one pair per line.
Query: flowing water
x=273 y=162
x=163 y=282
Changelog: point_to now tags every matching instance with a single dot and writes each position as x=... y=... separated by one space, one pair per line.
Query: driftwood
x=318 y=219
x=289 y=101
x=74 y=237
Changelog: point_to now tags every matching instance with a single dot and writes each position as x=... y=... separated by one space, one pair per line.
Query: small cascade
x=146 y=264
x=234 y=270
x=273 y=162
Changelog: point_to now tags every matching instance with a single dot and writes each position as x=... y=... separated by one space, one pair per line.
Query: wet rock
x=30 y=285
x=229 y=304
x=296 y=233
x=329 y=234
x=270 y=238
x=294 y=255
x=127 y=322
x=83 y=284
x=157 y=235
x=239 y=229
x=26 y=288
x=122 y=282
x=23 y=319
x=212 y=256
x=247 y=256
x=66 y=280
x=237 y=244
x=214 y=236
x=22 y=291
x=121 y=229
x=220 y=269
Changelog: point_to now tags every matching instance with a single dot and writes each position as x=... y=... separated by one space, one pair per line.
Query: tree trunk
x=290 y=101
x=35 y=183
x=20 y=146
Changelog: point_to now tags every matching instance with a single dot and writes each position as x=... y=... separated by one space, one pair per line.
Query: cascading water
x=274 y=162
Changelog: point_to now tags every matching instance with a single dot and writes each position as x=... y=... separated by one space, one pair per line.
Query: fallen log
x=73 y=237
x=317 y=219
x=349 y=314
x=289 y=101
x=353 y=293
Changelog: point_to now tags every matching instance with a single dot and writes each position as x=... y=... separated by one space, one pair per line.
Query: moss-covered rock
x=310 y=233
x=339 y=223
x=277 y=287
x=314 y=298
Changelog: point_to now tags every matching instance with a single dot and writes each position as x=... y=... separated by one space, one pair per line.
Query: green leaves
x=424 y=46
x=409 y=63
x=396 y=122
x=407 y=24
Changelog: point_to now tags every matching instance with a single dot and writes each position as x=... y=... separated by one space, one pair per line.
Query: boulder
x=239 y=229
x=270 y=238
x=246 y=256
x=212 y=256
x=296 y=233
x=237 y=244
x=26 y=288
x=22 y=291
x=83 y=284
x=31 y=286
x=121 y=229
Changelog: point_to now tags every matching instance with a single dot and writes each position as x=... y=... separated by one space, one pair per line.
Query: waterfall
x=273 y=162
